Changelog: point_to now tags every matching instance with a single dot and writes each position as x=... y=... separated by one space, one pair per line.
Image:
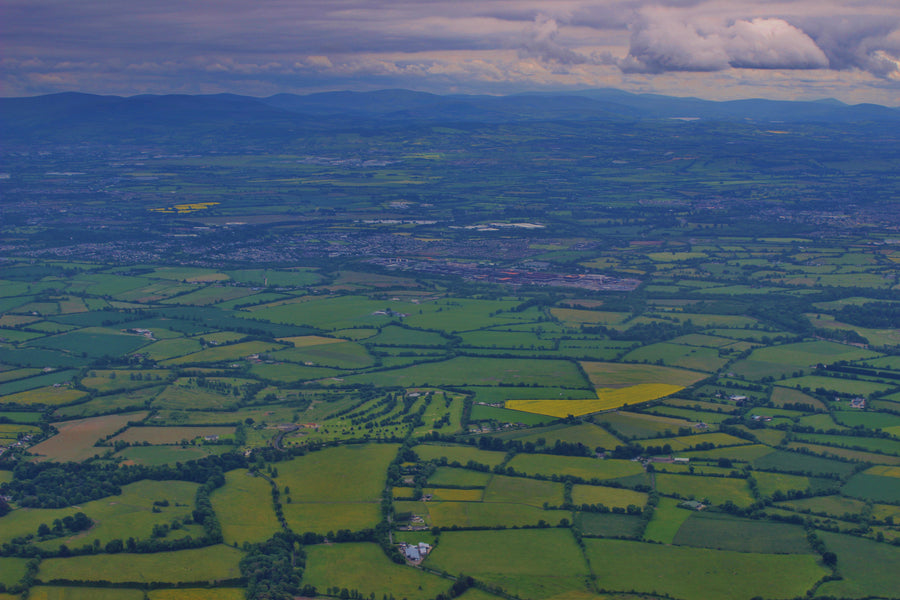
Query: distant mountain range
x=54 y=114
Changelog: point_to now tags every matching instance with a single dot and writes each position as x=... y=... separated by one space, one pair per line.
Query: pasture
x=639 y=425
x=153 y=456
x=48 y=396
x=196 y=565
x=676 y=355
x=722 y=532
x=365 y=568
x=617 y=375
x=577 y=466
x=869 y=569
x=352 y=473
x=667 y=520
x=232 y=503
x=458 y=477
x=716 y=490
x=184 y=394
x=129 y=514
x=93 y=341
x=52 y=592
x=466 y=370
x=11 y=570
x=854 y=387
x=794 y=462
x=486 y=514
x=609 y=524
x=460 y=454
x=747 y=453
x=30 y=383
x=685 y=572
x=588 y=434
x=522 y=490
x=684 y=442
x=325 y=517
x=856 y=455
x=875 y=488
x=607 y=496
x=340 y=355
x=133 y=400
x=532 y=563
x=783 y=395
x=198 y=594
x=229 y=352
x=451 y=494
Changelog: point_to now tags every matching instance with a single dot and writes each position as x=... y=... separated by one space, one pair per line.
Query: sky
x=714 y=49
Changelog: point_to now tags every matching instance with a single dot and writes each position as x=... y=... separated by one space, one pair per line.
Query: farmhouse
x=858 y=402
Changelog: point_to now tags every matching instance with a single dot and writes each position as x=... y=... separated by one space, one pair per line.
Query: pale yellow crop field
x=607 y=399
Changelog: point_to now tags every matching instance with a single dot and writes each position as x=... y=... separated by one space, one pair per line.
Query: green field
x=531 y=563
x=130 y=514
x=343 y=474
x=365 y=568
x=607 y=496
x=134 y=399
x=667 y=519
x=11 y=570
x=830 y=505
x=588 y=434
x=716 y=490
x=794 y=462
x=481 y=412
x=483 y=514
x=325 y=517
x=49 y=592
x=639 y=425
x=458 y=477
x=242 y=507
x=677 y=355
x=841 y=386
x=525 y=491
x=585 y=468
x=478 y=371
x=869 y=569
x=873 y=487
x=609 y=525
x=460 y=454
x=199 y=565
x=722 y=532
x=335 y=488
x=152 y=456
x=699 y=572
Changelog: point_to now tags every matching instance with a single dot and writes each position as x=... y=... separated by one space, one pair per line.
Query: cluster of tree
x=58 y=485
x=560 y=447
x=873 y=315
x=273 y=569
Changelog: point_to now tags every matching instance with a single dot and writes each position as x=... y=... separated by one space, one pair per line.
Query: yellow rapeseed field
x=607 y=399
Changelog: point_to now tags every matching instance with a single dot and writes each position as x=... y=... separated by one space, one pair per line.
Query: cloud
x=661 y=40
x=869 y=43
x=542 y=44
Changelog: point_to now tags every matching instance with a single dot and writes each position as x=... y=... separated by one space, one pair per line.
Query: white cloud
x=662 y=40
